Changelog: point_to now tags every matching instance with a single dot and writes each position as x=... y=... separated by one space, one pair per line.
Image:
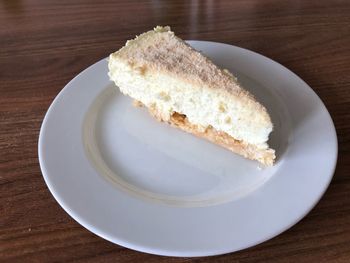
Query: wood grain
x=44 y=44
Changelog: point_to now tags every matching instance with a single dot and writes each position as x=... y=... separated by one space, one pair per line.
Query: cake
x=182 y=87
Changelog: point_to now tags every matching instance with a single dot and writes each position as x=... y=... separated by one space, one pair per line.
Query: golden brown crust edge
x=264 y=156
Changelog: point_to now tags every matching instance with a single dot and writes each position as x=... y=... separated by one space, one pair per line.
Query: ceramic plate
x=152 y=188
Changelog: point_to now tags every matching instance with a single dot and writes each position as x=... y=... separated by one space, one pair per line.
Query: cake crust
x=264 y=156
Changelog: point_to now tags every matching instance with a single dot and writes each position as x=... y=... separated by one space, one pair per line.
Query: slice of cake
x=184 y=88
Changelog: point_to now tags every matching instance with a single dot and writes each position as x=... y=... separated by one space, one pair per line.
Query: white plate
x=149 y=187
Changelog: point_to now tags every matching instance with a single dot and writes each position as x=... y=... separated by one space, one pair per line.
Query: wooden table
x=44 y=44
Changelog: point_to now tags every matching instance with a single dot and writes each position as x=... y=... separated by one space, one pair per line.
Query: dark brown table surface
x=44 y=44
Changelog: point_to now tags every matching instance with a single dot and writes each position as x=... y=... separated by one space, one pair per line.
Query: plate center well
x=155 y=161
